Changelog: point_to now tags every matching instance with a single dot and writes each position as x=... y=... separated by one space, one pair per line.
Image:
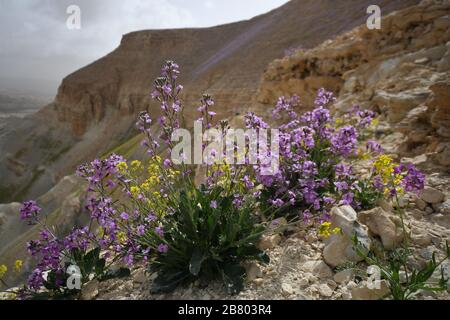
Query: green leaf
x=167 y=281
x=196 y=261
x=100 y=266
x=90 y=260
x=233 y=275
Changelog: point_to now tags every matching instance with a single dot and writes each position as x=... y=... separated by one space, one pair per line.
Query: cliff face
x=96 y=107
x=401 y=71
x=226 y=61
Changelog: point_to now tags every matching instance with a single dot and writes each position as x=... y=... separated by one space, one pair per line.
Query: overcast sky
x=37 y=49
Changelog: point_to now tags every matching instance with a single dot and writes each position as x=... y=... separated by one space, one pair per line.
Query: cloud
x=36 y=44
x=209 y=4
x=38 y=38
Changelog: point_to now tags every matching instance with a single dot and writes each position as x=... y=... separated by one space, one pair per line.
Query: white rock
x=318 y=268
x=432 y=195
x=381 y=224
x=303 y=282
x=344 y=217
x=344 y=276
x=339 y=248
x=325 y=290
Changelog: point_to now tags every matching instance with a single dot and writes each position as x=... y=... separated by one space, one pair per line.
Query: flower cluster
x=393 y=179
x=326 y=231
x=316 y=156
x=312 y=174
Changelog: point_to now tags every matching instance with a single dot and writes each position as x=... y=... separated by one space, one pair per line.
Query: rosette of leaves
x=91 y=266
x=404 y=280
x=207 y=242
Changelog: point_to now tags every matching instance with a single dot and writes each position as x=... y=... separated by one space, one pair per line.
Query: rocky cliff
x=95 y=107
x=401 y=71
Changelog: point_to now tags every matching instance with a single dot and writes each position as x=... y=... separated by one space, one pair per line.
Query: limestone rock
x=339 y=249
x=344 y=276
x=381 y=224
x=325 y=290
x=420 y=203
x=432 y=195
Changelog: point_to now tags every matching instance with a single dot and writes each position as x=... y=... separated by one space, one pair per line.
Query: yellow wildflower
x=398 y=179
x=3 y=270
x=156 y=194
x=384 y=166
x=326 y=231
x=135 y=190
x=136 y=165
x=339 y=121
x=336 y=230
x=122 y=167
x=121 y=236
x=375 y=122
x=145 y=186
x=18 y=265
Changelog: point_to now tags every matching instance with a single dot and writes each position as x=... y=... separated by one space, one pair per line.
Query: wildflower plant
x=316 y=153
x=405 y=282
x=55 y=254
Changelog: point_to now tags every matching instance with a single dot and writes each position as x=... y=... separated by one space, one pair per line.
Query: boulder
x=339 y=248
x=381 y=223
x=344 y=276
x=432 y=195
